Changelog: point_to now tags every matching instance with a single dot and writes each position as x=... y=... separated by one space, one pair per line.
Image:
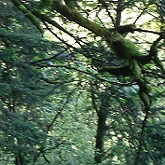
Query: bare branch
x=107 y=10
x=143 y=11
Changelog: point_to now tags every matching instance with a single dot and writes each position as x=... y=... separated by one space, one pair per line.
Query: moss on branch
x=154 y=55
x=124 y=29
x=116 y=70
x=77 y=17
x=28 y=14
x=123 y=48
x=143 y=89
x=70 y=3
x=45 y=18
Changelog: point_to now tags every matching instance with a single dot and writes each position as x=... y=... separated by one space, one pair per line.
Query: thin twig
x=106 y=7
x=59 y=112
x=85 y=72
x=141 y=140
x=141 y=13
x=147 y=31
x=150 y=154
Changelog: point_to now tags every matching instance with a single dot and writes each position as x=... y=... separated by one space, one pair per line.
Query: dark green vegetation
x=82 y=82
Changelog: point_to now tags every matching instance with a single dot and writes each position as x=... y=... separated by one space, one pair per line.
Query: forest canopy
x=82 y=82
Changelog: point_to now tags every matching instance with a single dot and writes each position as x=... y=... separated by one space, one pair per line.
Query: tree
x=120 y=60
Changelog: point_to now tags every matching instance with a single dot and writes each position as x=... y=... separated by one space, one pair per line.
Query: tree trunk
x=99 y=150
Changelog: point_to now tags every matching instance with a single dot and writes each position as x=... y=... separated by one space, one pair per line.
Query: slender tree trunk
x=101 y=105
x=99 y=137
x=19 y=157
x=19 y=160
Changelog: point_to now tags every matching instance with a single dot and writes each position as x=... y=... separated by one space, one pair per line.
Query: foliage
x=82 y=82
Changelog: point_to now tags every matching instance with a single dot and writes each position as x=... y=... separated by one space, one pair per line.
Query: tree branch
x=118 y=12
x=103 y=2
x=116 y=70
x=28 y=14
x=141 y=140
x=74 y=15
x=153 y=53
x=85 y=72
